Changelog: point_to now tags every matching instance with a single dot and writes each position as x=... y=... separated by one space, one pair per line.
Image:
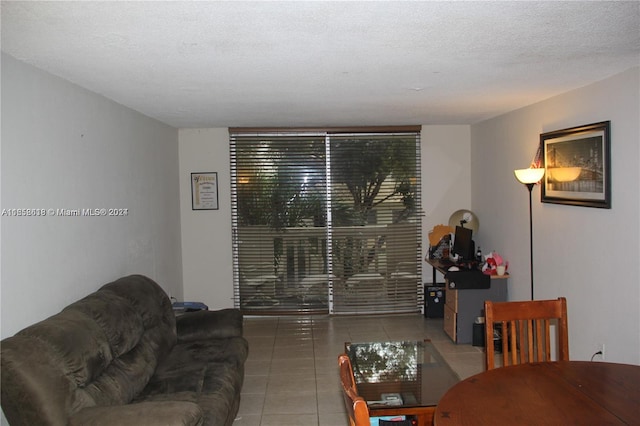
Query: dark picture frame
x=204 y=191
x=577 y=163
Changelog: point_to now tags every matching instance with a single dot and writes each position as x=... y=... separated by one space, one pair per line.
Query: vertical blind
x=326 y=221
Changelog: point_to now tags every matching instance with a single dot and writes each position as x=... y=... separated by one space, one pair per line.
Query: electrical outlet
x=601 y=349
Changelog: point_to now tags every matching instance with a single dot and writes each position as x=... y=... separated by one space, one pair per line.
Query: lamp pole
x=529 y=177
x=530 y=188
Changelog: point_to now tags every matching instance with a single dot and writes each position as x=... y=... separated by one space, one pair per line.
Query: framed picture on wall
x=204 y=191
x=577 y=166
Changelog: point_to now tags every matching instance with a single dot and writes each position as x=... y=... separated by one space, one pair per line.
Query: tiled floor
x=291 y=375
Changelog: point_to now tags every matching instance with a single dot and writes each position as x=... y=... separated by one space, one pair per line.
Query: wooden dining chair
x=524 y=329
x=357 y=408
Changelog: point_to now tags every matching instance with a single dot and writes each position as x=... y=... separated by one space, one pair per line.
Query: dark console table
x=463 y=306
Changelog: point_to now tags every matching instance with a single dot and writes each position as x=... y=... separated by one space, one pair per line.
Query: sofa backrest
x=100 y=350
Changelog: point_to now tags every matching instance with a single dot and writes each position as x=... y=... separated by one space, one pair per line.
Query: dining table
x=545 y=393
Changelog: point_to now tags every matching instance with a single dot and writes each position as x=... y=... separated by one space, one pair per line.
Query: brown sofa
x=121 y=357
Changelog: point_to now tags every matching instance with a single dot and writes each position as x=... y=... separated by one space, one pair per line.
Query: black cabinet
x=434 y=301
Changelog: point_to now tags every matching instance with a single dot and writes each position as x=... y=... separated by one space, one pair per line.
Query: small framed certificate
x=204 y=191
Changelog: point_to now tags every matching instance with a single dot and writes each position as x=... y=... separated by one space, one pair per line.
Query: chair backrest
x=523 y=329
x=357 y=409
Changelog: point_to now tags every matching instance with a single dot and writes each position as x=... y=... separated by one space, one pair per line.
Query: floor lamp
x=529 y=177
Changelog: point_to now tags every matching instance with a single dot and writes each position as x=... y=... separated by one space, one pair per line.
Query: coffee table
x=401 y=377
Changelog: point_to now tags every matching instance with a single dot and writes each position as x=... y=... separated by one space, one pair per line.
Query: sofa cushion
x=77 y=345
x=126 y=376
x=196 y=363
x=190 y=355
x=33 y=389
x=209 y=373
x=116 y=317
x=129 y=372
x=148 y=299
x=203 y=325
x=175 y=413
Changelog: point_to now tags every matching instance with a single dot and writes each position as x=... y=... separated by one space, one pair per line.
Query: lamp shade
x=529 y=175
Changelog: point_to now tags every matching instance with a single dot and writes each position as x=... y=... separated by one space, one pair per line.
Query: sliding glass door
x=279 y=195
x=326 y=222
x=374 y=193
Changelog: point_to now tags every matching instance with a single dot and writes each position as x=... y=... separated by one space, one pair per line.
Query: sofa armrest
x=151 y=413
x=201 y=325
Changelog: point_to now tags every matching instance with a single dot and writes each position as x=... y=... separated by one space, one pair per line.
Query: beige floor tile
x=332 y=419
x=289 y=420
x=293 y=352
x=291 y=383
x=327 y=365
x=293 y=366
x=255 y=384
x=291 y=375
x=290 y=403
x=331 y=401
x=257 y=367
x=247 y=420
x=251 y=404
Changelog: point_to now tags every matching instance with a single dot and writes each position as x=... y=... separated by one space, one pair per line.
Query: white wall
x=65 y=147
x=588 y=255
x=206 y=234
x=446 y=179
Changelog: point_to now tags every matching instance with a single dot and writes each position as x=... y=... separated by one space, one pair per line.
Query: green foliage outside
x=286 y=197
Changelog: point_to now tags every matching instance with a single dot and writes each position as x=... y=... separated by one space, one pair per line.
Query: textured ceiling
x=218 y=64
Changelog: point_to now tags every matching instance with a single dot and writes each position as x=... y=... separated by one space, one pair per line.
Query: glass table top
x=400 y=373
